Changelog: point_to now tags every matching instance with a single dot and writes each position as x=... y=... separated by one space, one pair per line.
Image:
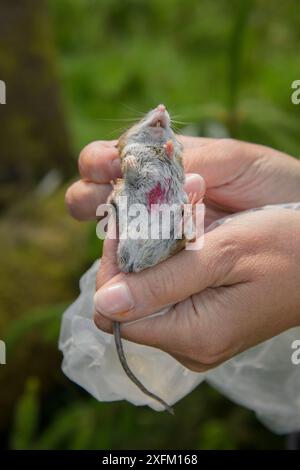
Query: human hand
x=242 y=288
x=99 y=164
x=238 y=176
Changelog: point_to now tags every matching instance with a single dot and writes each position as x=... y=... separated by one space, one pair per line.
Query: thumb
x=128 y=297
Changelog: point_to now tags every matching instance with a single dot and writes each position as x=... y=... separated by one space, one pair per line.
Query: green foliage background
x=222 y=68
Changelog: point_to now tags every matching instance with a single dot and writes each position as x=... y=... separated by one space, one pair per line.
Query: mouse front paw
x=130 y=162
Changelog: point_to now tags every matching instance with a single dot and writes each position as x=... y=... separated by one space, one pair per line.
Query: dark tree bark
x=33 y=132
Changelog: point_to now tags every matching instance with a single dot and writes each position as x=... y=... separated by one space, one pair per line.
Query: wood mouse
x=151 y=162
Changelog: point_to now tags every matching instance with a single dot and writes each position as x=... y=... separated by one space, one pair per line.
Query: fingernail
x=113 y=299
x=195 y=178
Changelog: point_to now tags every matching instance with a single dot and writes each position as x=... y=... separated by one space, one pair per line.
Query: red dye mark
x=156 y=195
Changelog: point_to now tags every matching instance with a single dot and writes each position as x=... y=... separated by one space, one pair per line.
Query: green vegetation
x=223 y=68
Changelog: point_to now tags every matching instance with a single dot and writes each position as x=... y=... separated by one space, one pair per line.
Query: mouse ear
x=169 y=148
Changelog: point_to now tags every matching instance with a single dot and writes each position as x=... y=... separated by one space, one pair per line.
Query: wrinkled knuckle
x=223 y=257
x=156 y=282
x=229 y=250
x=161 y=281
x=153 y=286
x=237 y=243
x=226 y=249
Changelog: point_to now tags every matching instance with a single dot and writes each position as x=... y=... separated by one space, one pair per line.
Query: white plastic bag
x=262 y=378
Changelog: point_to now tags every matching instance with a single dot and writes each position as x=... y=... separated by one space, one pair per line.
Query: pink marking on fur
x=156 y=195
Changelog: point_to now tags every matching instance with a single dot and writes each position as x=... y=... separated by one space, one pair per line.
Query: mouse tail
x=130 y=374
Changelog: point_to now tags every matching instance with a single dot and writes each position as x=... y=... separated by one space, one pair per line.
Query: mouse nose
x=161 y=108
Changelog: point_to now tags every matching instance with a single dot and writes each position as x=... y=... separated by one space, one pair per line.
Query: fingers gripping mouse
x=151 y=162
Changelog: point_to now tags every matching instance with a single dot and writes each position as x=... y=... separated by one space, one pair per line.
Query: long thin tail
x=128 y=371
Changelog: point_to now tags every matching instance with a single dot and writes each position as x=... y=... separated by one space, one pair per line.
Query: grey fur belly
x=136 y=255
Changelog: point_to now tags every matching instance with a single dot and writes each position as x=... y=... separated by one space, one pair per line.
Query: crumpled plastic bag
x=262 y=378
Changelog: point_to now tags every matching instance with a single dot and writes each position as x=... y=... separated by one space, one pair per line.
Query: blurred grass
x=237 y=56
x=202 y=421
x=222 y=67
